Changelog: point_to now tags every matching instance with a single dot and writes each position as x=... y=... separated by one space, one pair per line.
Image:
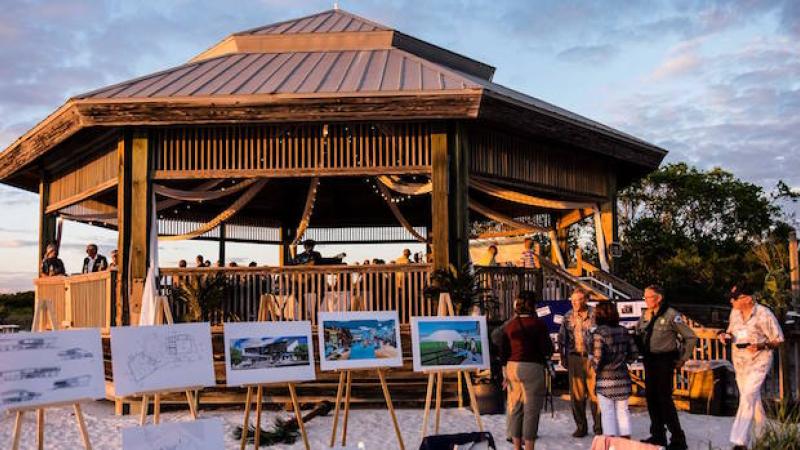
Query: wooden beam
x=573 y=217
x=98 y=189
x=288 y=173
x=608 y=220
x=440 y=233
x=222 y=241
x=794 y=271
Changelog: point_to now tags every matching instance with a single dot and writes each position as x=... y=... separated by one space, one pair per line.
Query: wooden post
x=440 y=197
x=794 y=270
x=458 y=201
x=284 y=252
x=133 y=219
x=47 y=222
x=608 y=219
x=222 y=242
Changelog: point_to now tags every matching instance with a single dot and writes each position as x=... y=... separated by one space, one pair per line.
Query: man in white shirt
x=755 y=333
x=93 y=262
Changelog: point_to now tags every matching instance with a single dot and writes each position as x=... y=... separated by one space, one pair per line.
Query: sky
x=717 y=83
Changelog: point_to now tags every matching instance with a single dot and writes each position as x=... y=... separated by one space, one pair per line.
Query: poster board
x=359 y=340
x=51 y=367
x=206 y=434
x=449 y=343
x=268 y=352
x=161 y=358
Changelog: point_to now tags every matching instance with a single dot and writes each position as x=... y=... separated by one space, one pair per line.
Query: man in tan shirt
x=572 y=338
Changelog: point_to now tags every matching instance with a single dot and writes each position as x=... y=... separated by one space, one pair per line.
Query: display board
x=161 y=358
x=365 y=339
x=268 y=352
x=51 y=367
x=206 y=434
x=449 y=343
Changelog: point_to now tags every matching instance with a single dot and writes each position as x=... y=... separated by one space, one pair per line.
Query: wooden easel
x=268 y=310
x=345 y=383
x=46 y=307
x=163 y=312
x=445 y=309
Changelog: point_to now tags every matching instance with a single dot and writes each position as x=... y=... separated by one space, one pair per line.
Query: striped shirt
x=612 y=349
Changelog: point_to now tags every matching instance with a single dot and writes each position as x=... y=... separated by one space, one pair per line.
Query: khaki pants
x=526 y=392
x=581 y=387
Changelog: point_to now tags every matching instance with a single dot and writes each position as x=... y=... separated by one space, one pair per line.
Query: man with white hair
x=755 y=333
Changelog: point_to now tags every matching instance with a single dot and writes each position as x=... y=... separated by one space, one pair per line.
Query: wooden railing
x=302 y=291
x=80 y=301
x=503 y=284
x=559 y=283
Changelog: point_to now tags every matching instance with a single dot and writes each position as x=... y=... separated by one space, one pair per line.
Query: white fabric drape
x=311 y=198
x=240 y=203
x=502 y=218
x=200 y=195
x=399 y=215
x=557 y=249
x=150 y=295
x=525 y=199
x=601 y=240
x=396 y=185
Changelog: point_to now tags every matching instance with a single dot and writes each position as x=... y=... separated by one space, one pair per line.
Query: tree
x=694 y=231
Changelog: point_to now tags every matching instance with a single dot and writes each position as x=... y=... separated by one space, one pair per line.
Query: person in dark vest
x=666 y=343
x=94 y=262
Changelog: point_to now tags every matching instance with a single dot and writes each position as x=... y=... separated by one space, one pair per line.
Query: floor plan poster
x=50 y=367
x=268 y=352
x=204 y=434
x=161 y=358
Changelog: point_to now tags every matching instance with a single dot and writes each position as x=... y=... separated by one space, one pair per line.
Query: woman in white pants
x=612 y=349
x=755 y=333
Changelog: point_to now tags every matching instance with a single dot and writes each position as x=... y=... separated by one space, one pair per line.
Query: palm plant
x=204 y=299
x=464 y=287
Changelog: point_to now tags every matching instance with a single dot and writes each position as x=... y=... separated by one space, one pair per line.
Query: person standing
x=94 y=262
x=490 y=258
x=528 y=256
x=666 y=343
x=405 y=258
x=525 y=348
x=573 y=337
x=51 y=264
x=755 y=333
x=612 y=349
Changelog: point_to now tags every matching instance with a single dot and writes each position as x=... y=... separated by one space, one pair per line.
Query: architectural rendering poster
x=365 y=339
x=206 y=434
x=449 y=343
x=161 y=358
x=37 y=369
x=268 y=352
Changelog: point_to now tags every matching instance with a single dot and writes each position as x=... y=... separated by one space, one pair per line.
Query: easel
x=46 y=307
x=163 y=312
x=268 y=310
x=445 y=309
x=345 y=382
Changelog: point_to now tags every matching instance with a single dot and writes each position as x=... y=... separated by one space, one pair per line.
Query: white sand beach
x=370 y=427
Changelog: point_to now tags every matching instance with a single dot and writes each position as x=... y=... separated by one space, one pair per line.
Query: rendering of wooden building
x=329 y=127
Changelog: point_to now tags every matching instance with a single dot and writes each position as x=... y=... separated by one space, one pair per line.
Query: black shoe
x=655 y=441
x=739 y=447
x=579 y=433
x=598 y=431
x=677 y=446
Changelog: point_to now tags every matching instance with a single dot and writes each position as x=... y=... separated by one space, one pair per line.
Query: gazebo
x=329 y=127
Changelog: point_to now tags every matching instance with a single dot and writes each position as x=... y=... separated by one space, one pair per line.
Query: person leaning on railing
x=525 y=348
x=51 y=264
x=755 y=333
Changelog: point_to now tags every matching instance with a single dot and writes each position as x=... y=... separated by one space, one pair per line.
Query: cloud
x=589 y=54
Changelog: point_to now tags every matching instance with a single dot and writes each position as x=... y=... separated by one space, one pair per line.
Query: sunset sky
x=717 y=83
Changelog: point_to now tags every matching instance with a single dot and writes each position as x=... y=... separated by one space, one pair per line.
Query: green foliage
x=17 y=309
x=236 y=356
x=301 y=352
x=781 y=431
x=464 y=289
x=694 y=232
x=204 y=297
